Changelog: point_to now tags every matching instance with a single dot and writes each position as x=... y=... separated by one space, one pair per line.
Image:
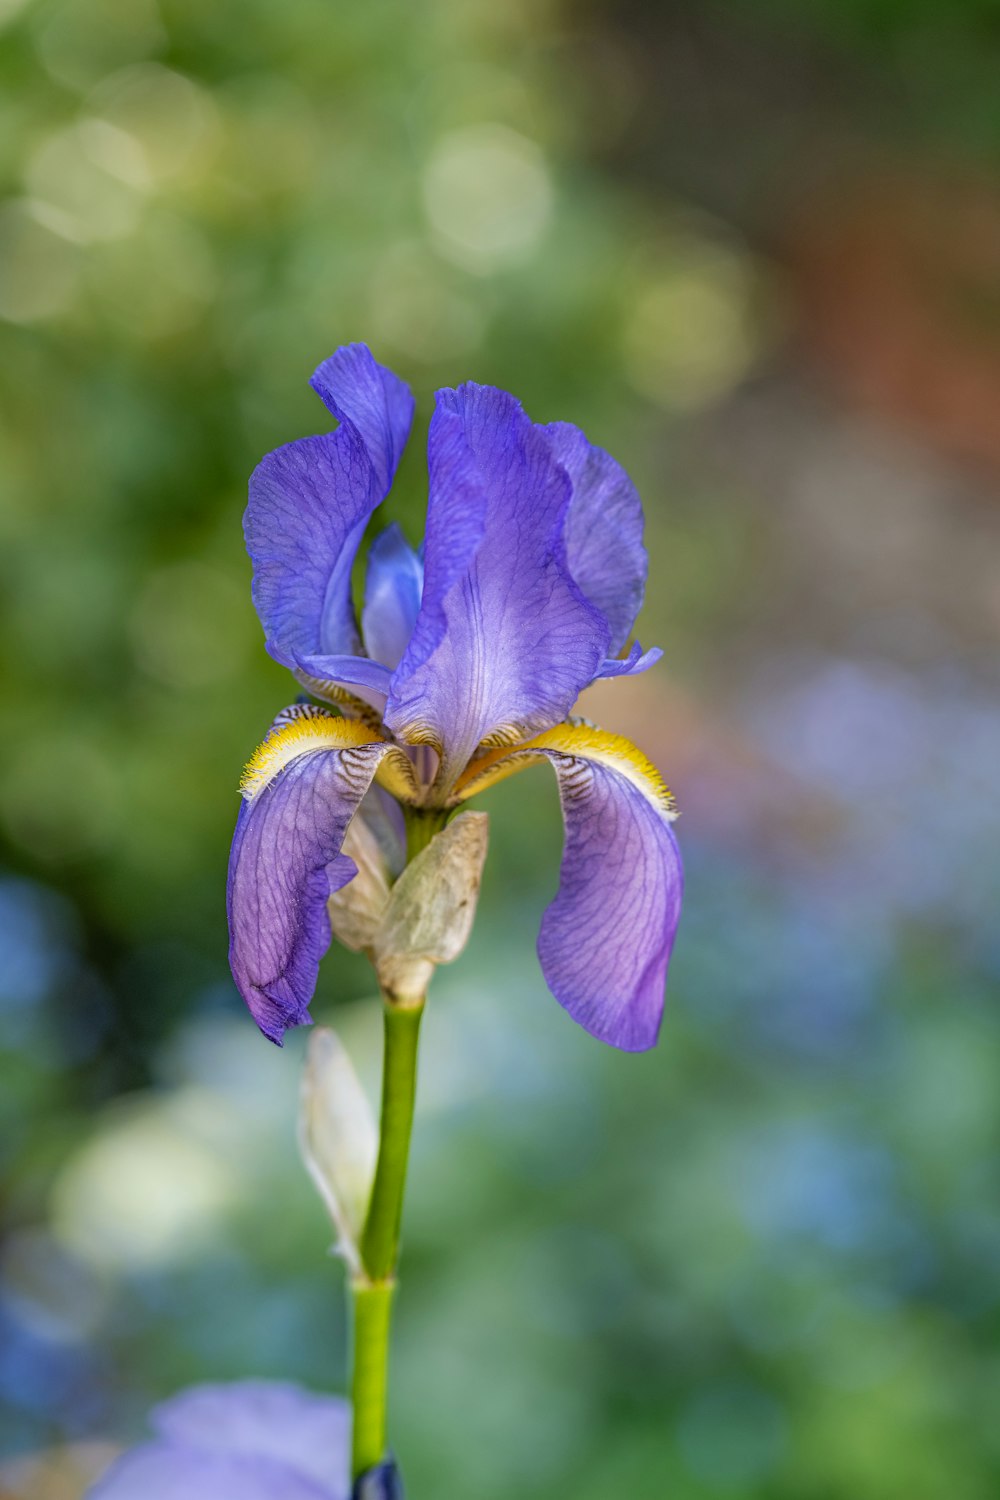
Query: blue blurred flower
x=469 y=658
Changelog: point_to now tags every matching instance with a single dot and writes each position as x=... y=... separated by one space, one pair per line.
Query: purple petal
x=387 y=825
x=310 y=502
x=393 y=587
x=604 y=547
x=161 y=1471
x=362 y=678
x=606 y=939
x=307 y=1432
x=630 y=666
x=365 y=395
x=505 y=640
x=284 y=865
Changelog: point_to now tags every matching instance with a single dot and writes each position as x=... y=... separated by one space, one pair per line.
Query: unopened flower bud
x=430 y=912
x=338 y=1138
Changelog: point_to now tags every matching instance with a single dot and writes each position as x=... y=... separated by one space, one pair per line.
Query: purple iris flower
x=469 y=658
x=254 y=1440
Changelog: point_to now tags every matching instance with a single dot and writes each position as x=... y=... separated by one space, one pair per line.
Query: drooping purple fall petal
x=505 y=639
x=606 y=939
x=310 y=502
x=286 y=861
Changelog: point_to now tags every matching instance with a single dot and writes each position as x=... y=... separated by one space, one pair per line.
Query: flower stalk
x=372 y=1291
x=372 y=1307
x=421 y=826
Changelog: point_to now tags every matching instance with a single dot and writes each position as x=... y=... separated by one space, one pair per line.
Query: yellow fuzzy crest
x=316 y=732
x=313 y=729
x=583 y=742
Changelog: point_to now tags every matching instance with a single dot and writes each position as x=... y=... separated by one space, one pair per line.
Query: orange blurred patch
x=898 y=280
x=57 y=1474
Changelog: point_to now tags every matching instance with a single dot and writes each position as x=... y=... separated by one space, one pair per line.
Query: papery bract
x=430 y=913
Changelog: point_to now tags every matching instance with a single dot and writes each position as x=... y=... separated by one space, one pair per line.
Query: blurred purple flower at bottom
x=254 y=1440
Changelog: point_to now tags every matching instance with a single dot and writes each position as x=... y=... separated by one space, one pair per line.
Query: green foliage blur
x=761 y=1261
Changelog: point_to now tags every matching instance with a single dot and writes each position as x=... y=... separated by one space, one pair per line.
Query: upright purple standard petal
x=505 y=639
x=604 y=547
x=304 y=786
x=310 y=502
x=393 y=586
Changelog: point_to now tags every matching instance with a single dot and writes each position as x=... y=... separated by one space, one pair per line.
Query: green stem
x=369 y=1380
x=422 y=823
x=380 y=1238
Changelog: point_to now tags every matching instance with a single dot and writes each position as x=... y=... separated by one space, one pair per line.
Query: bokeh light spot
x=80 y=41
x=91 y=204
x=9 y=9
x=416 y=311
x=169 y=115
x=488 y=195
x=145 y=1190
x=38 y=270
x=691 y=334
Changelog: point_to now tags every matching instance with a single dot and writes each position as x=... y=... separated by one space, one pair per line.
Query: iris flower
x=254 y=1440
x=469 y=658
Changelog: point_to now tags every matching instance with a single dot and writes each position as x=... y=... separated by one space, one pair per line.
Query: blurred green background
x=755 y=251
